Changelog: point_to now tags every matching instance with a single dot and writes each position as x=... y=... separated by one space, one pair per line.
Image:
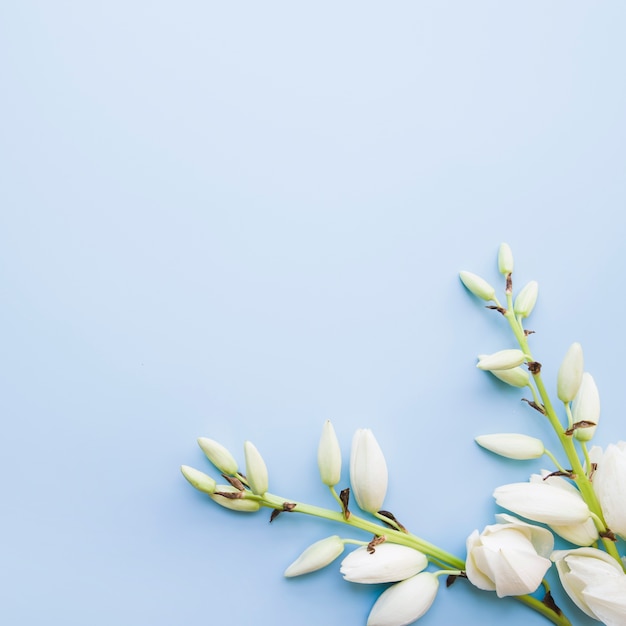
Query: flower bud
x=256 y=471
x=200 y=480
x=526 y=298
x=541 y=502
x=502 y=360
x=477 y=285
x=329 y=456
x=570 y=373
x=218 y=455
x=316 y=556
x=405 y=602
x=505 y=259
x=515 y=376
x=242 y=504
x=368 y=471
x=586 y=407
x=512 y=445
x=388 y=563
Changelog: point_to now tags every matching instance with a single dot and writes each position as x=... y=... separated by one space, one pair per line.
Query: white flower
x=581 y=533
x=218 y=455
x=405 y=602
x=512 y=445
x=477 y=285
x=586 y=407
x=200 y=480
x=525 y=301
x=595 y=582
x=329 y=456
x=256 y=471
x=509 y=557
x=502 y=360
x=316 y=556
x=609 y=483
x=388 y=563
x=368 y=471
x=542 y=502
x=570 y=373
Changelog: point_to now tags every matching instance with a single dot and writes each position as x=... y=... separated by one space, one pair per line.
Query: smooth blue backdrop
x=238 y=220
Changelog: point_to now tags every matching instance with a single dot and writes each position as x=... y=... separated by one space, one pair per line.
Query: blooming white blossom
x=316 y=556
x=595 y=582
x=512 y=445
x=609 y=483
x=543 y=502
x=405 y=602
x=388 y=563
x=509 y=557
x=502 y=360
x=368 y=471
x=586 y=407
x=570 y=373
x=580 y=533
x=329 y=456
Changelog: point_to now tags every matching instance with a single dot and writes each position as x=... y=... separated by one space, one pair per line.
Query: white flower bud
x=256 y=471
x=200 y=480
x=502 y=360
x=505 y=259
x=586 y=407
x=242 y=504
x=405 y=602
x=516 y=376
x=512 y=445
x=570 y=373
x=316 y=556
x=218 y=455
x=388 y=563
x=609 y=483
x=477 y=285
x=329 y=456
x=526 y=298
x=368 y=471
x=595 y=582
x=541 y=502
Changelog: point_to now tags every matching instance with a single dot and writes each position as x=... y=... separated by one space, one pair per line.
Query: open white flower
x=509 y=557
x=609 y=483
x=368 y=471
x=595 y=582
x=543 y=502
x=405 y=602
x=388 y=563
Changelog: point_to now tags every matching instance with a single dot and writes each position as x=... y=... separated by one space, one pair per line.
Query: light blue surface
x=238 y=220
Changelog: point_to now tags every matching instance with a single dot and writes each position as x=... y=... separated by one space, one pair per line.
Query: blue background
x=238 y=220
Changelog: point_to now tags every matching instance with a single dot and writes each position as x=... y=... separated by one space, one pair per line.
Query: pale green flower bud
x=516 y=376
x=316 y=556
x=586 y=407
x=477 y=285
x=405 y=602
x=526 y=298
x=329 y=456
x=256 y=471
x=388 y=563
x=368 y=471
x=570 y=373
x=242 y=504
x=512 y=445
x=502 y=360
x=505 y=259
x=200 y=480
x=218 y=455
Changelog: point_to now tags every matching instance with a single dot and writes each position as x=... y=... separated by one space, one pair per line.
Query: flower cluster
x=582 y=499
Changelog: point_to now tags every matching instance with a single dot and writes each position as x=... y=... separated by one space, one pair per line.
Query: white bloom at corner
x=368 y=471
x=509 y=557
x=317 y=555
x=512 y=445
x=405 y=602
x=389 y=563
x=595 y=582
x=582 y=533
x=609 y=483
x=542 y=502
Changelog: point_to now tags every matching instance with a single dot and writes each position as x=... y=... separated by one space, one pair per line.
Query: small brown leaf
x=577 y=425
x=344 y=496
